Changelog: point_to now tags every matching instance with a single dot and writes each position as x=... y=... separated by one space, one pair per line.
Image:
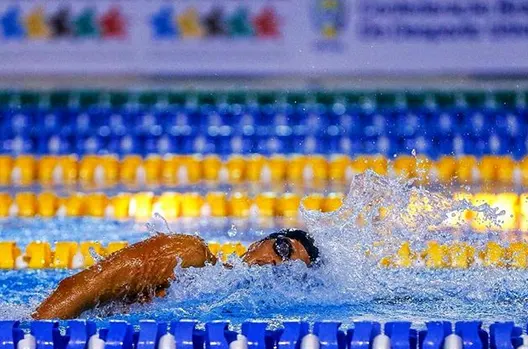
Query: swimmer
x=142 y=271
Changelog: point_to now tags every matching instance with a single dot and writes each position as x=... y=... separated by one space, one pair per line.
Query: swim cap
x=303 y=237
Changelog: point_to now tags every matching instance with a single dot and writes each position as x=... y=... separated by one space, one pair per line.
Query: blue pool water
x=346 y=286
x=416 y=301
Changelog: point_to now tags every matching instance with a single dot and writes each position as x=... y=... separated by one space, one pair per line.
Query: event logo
x=38 y=24
x=191 y=23
x=329 y=17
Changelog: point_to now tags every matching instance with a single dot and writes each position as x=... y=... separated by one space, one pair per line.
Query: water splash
x=376 y=215
x=158 y=225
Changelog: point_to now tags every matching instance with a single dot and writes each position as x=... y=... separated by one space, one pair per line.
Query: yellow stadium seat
x=337 y=167
x=121 y=205
x=467 y=170
x=296 y=166
x=87 y=168
x=405 y=256
x=194 y=166
x=5 y=204
x=239 y=205
x=96 y=204
x=26 y=203
x=110 y=167
x=254 y=165
x=8 y=254
x=24 y=170
x=63 y=254
x=332 y=202
x=523 y=166
x=75 y=205
x=277 y=167
x=518 y=253
x=488 y=167
x=378 y=164
x=460 y=255
x=445 y=169
x=317 y=166
x=506 y=168
x=48 y=204
x=69 y=168
x=217 y=202
x=228 y=249
x=434 y=255
x=214 y=247
x=129 y=168
x=288 y=205
x=191 y=205
x=493 y=255
x=236 y=167
x=404 y=166
x=177 y=169
x=6 y=168
x=141 y=205
x=46 y=169
x=169 y=205
x=313 y=201
x=211 y=167
x=39 y=254
x=266 y=204
x=359 y=164
x=153 y=168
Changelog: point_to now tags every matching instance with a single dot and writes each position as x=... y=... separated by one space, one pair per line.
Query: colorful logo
x=191 y=23
x=37 y=24
x=329 y=17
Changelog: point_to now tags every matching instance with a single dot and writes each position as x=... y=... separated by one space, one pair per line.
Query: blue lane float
x=305 y=129
x=258 y=335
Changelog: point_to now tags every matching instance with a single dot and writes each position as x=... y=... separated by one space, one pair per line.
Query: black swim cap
x=303 y=237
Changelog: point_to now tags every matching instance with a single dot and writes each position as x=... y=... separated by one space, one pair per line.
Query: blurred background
x=265 y=100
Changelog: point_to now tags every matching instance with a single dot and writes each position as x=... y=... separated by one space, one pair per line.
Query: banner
x=263 y=37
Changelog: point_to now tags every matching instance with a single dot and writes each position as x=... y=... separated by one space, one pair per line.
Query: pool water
x=345 y=286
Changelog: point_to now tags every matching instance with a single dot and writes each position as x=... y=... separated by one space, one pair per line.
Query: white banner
x=208 y=37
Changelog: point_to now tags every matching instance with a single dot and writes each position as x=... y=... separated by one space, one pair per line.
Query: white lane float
x=240 y=343
x=95 y=342
x=381 y=341
x=167 y=341
x=310 y=341
x=28 y=342
x=453 y=341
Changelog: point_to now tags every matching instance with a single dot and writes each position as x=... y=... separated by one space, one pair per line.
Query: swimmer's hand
x=134 y=274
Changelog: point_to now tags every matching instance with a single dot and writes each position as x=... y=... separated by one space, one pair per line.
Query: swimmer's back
x=135 y=273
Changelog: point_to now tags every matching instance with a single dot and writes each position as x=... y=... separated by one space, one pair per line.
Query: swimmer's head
x=287 y=244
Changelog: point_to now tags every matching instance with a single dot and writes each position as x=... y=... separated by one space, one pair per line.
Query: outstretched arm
x=135 y=273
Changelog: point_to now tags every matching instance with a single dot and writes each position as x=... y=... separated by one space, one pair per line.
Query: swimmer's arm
x=137 y=272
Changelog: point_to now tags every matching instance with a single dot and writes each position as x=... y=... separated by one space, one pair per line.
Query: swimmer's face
x=275 y=251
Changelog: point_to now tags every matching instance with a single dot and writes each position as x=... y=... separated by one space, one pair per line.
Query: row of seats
x=173 y=205
x=459 y=255
x=101 y=171
x=73 y=255
x=415 y=99
x=226 y=145
x=274 y=120
x=184 y=334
